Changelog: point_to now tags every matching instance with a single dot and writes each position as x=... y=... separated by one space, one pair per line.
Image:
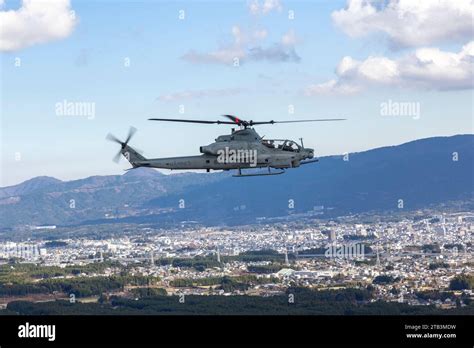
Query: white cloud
x=408 y=22
x=264 y=7
x=275 y=53
x=428 y=68
x=374 y=69
x=248 y=47
x=35 y=22
x=260 y=34
x=434 y=68
x=331 y=87
x=223 y=55
x=237 y=33
x=290 y=38
x=201 y=93
x=242 y=37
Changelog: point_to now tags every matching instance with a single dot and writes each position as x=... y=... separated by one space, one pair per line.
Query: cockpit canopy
x=281 y=144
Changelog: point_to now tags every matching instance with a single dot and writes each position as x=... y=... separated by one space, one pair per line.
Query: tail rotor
x=123 y=144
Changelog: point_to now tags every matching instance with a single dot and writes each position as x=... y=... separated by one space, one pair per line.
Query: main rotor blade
x=240 y=122
x=189 y=121
x=235 y=119
x=298 y=121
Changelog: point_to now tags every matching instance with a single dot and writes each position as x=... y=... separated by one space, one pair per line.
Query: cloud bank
x=248 y=47
x=429 y=68
x=408 y=23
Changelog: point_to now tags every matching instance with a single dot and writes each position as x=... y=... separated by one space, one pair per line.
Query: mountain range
x=408 y=176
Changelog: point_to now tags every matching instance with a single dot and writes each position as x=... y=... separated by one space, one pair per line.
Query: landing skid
x=257 y=174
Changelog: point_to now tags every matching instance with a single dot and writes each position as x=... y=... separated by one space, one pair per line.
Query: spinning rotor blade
x=116 y=158
x=189 y=121
x=113 y=138
x=131 y=132
x=297 y=121
x=240 y=122
x=236 y=120
x=252 y=123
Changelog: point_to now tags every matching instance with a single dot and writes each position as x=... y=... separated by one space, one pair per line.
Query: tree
x=462 y=282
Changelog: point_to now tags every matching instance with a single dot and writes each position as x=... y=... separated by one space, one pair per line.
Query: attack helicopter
x=241 y=149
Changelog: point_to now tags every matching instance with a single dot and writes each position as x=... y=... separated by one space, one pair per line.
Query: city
x=403 y=259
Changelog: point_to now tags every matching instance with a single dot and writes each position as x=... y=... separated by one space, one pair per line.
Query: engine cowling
x=216 y=149
x=209 y=150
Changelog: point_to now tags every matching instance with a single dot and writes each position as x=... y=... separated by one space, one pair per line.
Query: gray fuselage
x=241 y=149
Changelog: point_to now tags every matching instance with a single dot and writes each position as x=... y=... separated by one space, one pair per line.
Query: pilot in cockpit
x=269 y=143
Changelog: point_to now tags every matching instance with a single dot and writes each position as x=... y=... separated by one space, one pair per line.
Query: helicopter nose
x=310 y=153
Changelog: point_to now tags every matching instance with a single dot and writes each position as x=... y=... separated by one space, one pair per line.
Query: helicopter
x=241 y=149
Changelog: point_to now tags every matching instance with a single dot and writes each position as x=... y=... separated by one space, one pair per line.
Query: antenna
x=302 y=145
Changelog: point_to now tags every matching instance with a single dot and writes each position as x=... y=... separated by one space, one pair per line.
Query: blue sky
x=189 y=62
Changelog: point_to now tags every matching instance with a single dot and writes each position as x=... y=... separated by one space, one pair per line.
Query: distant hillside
x=44 y=200
x=29 y=186
x=420 y=173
